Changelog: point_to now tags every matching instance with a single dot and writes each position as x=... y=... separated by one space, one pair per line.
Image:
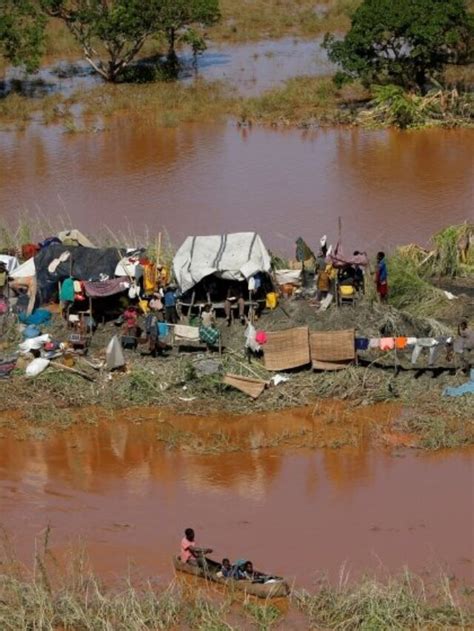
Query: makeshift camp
x=248 y=385
x=332 y=350
x=237 y=256
x=287 y=349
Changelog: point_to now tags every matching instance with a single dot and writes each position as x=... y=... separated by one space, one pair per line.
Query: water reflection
x=118 y=488
x=388 y=187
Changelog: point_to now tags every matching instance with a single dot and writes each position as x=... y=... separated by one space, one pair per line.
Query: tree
x=403 y=42
x=120 y=27
x=179 y=17
x=21 y=33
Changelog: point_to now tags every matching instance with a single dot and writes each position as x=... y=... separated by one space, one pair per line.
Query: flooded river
x=389 y=187
x=116 y=488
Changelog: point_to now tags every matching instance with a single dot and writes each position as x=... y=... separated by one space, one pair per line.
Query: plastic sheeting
x=25 y=270
x=91 y=264
x=236 y=256
x=288 y=276
x=114 y=357
x=75 y=237
x=11 y=262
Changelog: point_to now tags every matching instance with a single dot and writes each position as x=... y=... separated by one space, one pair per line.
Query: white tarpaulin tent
x=236 y=256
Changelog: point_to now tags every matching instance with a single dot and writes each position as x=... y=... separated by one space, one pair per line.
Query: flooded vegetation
x=288 y=119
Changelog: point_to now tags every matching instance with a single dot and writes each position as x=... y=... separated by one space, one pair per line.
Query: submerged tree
x=179 y=19
x=405 y=42
x=21 y=33
x=118 y=29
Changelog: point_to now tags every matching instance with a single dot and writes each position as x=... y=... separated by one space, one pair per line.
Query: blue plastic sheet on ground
x=39 y=316
x=459 y=391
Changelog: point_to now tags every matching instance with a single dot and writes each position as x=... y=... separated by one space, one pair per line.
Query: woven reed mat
x=332 y=346
x=287 y=349
x=317 y=365
x=252 y=387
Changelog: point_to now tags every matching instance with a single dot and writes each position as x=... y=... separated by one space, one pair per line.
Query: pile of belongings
x=7 y=366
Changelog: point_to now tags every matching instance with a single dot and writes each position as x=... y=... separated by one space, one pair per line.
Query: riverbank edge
x=336 y=423
x=70 y=596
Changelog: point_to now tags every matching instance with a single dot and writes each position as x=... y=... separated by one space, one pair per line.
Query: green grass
x=447 y=260
x=402 y=602
x=409 y=290
x=251 y=20
x=444 y=427
x=73 y=598
x=302 y=101
x=162 y=104
x=412 y=270
x=67 y=595
x=18 y=110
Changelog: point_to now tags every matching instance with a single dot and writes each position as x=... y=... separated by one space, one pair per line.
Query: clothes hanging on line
x=387 y=344
x=361 y=343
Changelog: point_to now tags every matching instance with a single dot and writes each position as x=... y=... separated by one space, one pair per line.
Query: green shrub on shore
x=412 y=269
x=409 y=290
x=452 y=254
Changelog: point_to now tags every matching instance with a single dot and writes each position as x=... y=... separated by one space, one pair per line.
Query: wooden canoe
x=276 y=589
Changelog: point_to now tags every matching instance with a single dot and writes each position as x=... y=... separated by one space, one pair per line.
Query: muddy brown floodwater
x=389 y=187
x=296 y=512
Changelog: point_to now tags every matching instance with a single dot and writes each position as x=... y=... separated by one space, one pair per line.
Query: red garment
x=28 y=250
x=382 y=289
x=130 y=316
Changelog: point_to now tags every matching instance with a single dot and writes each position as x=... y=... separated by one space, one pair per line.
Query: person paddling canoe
x=190 y=553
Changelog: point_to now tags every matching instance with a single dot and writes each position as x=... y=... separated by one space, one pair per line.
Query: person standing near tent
x=381 y=277
x=169 y=299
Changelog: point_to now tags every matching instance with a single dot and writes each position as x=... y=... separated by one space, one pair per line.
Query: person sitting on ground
x=346 y=275
x=190 y=553
x=234 y=296
x=381 y=277
x=207 y=316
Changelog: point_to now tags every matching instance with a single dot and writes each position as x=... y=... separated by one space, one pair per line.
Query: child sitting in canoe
x=226 y=570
